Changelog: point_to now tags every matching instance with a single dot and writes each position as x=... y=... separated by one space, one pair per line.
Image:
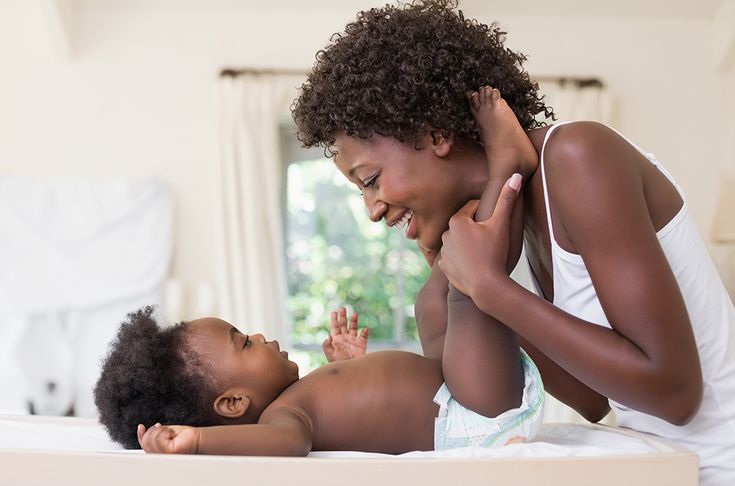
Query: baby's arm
x=284 y=433
x=343 y=341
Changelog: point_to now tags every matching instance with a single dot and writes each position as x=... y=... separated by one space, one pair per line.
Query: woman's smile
x=403 y=224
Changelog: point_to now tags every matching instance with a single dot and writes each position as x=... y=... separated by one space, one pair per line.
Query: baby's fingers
x=328 y=349
x=365 y=333
x=343 y=320
x=149 y=438
x=333 y=323
x=353 y=324
x=140 y=432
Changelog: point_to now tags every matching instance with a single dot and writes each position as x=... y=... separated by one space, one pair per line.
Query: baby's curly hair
x=397 y=69
x=151 y=375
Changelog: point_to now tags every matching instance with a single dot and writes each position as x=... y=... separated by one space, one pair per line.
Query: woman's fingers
x=467 y=212
x=507 y=199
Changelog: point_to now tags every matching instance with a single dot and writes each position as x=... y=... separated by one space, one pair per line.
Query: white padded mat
x=554 y=440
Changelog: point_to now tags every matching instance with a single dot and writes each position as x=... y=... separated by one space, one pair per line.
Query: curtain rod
x=578 y=81
x=230 y=72
x=582 y=82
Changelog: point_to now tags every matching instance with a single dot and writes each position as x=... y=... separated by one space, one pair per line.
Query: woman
x=630 y=311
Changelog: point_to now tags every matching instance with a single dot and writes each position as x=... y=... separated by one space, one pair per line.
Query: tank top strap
x=552 y=237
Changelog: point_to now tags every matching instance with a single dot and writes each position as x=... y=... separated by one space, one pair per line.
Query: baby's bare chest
x=381 y=403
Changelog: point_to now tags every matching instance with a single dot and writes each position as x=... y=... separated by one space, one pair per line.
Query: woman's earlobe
x=233 y=403
x=441 y=143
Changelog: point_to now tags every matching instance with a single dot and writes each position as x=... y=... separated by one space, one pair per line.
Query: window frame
x=293 y=153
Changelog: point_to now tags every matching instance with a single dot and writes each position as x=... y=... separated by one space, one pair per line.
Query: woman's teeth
x=403 y=223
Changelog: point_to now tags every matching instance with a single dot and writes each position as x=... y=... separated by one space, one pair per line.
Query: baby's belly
x=383 y=405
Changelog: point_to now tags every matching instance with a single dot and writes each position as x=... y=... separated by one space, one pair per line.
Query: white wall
x=139 y=96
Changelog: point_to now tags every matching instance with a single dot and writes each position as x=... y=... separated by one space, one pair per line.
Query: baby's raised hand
x=169 y=439
x=343 y=341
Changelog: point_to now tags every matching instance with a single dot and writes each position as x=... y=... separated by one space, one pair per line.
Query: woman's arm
x=648 y=360
x=566 y=388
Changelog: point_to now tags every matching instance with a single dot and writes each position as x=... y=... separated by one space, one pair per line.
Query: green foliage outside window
x=337 y=256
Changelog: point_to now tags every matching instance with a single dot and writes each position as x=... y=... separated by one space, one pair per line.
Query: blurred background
x=147 y=157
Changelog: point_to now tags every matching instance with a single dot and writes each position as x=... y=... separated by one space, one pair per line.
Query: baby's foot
x=507 y=147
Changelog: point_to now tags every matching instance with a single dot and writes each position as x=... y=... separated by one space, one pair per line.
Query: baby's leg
x=507 y=146
x=481 y=358
x=431 y=313
x=508 y=150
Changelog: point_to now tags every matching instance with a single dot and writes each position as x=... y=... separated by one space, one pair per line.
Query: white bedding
x=38 y=451
x=554 y=440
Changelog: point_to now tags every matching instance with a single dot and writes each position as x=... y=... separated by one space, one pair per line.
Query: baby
x=240 y=394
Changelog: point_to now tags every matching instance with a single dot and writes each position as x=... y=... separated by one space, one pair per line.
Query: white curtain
x=251 y=274
x=572 y=101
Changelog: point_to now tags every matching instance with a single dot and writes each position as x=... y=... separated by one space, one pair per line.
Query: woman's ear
x=233 y=403
x=441 y=142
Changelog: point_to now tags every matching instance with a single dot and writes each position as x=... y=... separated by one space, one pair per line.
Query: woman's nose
x=376 y=208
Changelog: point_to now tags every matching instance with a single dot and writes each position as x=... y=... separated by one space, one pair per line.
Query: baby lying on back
x=224 y=392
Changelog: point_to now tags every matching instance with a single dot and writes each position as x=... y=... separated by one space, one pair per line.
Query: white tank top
x=711 y=434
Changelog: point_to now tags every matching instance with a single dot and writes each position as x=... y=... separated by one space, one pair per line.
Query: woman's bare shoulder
x=577 y=145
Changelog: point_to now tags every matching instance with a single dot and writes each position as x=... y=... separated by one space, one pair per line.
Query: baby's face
x=238 y=359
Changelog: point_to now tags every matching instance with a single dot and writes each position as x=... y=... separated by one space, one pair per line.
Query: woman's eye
x=370 y=181
x=246 y=342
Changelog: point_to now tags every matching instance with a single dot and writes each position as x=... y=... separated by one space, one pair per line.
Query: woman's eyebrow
x=354 y=169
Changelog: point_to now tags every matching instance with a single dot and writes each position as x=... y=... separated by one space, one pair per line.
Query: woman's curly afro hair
x=398 y=69
x=151 y=375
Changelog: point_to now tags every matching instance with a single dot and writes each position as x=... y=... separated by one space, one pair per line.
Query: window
x=337 y=256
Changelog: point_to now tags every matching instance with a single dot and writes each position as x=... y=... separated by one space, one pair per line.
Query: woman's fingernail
x=515 y=181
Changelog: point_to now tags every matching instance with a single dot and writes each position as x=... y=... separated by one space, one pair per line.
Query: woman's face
x=415 y=188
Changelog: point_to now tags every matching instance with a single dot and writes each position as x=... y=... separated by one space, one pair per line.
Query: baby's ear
x=233 y=403
x=440 y=142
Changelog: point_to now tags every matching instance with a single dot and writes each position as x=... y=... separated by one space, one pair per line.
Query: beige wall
x=139 y=96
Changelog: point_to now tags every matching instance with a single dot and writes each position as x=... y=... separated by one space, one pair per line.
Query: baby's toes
x=474 y=98
x=486 y=94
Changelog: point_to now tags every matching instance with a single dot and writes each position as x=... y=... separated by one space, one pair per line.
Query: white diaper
x=457 y=426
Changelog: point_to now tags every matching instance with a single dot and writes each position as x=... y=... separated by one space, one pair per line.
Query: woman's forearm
x=599 y=357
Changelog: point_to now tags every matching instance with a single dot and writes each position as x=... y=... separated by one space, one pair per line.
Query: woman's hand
x=343 y=341
x=169 y=439
x=473 y=252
